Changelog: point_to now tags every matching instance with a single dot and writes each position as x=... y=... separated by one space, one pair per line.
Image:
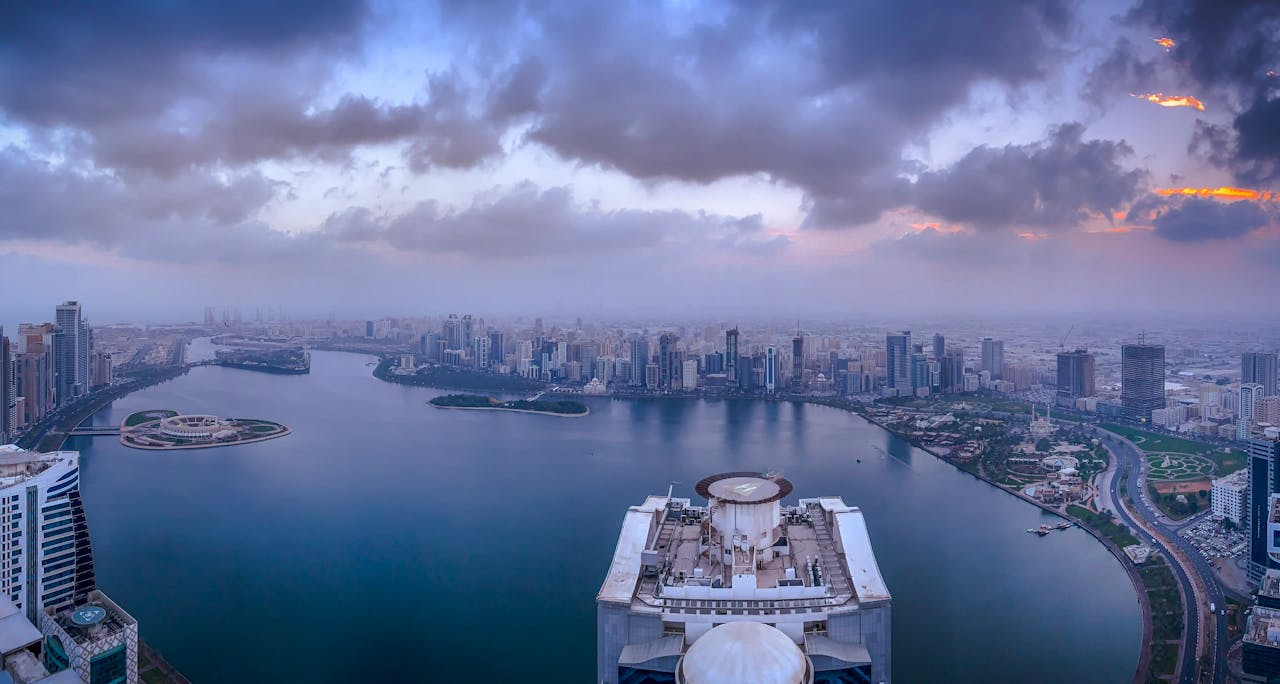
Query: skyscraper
x=71 y=352
x=1141 y=379
x=939 y=346
x=34 y=370
x=993 y=357
x=639 y=359
x=1259 y=367
x=951 y=371
x=451 y=330
x=770 y=368
x=1075 y=376
x=668 y=364
x=797 y=362
x=496 y=353
x=51 y=563
x=897 y=358
x=1250 y=393
x=919 y=372
x=731 y=357
x=1264 y=480
x=8 y=390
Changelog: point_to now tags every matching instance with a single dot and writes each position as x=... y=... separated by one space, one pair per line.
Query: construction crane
x=1062 y=344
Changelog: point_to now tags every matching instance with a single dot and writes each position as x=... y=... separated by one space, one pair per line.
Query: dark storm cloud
x=164 y=87
x=1127 y=69
x=1226 y=49
x=818 y=95
x=1055 y=183
x=86 y=63
x=1197 y=220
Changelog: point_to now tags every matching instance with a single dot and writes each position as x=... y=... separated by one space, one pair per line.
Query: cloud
x=524 y=222
x=1227 y=49
x=1196 y=220
x=1055 y=183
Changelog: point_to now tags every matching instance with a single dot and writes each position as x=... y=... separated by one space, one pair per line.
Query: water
x=388 y=541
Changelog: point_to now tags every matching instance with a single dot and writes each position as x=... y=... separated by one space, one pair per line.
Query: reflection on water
x=384 y=528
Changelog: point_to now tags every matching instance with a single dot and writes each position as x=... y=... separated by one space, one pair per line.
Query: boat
x=1042 y=530
x=1062 y=525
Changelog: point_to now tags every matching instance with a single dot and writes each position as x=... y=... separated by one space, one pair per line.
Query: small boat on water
x=1062 y=525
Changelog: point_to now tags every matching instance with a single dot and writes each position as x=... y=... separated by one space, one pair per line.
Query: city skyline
x=392 y=148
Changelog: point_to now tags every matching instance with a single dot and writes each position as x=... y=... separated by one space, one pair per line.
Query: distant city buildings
x=1142 y=379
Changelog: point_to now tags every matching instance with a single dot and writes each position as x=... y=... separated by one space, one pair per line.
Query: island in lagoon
x=167 y=429
x=476 y=402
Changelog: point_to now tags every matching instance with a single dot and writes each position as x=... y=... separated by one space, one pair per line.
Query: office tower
x=731 y=358
x=8 y=391
x=689 y=375
x=947 y=372
x=1259 y=367
x=209 y=316
x=1250 y=393
x=639 y=360
x=897 y=372
x=590 y=355
x=797 y=362
x=993 y=357
x=48 y=560
x=939 y=346
x=451 y=330
x=919 y=372
x=35 y=373
x=468 y=328
x=1264 y=480
x=746 y=373
x=770 y=368
x=1141 y=379
x=368 y=329
x=497 y=354
x=801 y=582
x=1075 y=376
x=94 y=637
x=71 y=352
x=480 y=351
x=668 y=367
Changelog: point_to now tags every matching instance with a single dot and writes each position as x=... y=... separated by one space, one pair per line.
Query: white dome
x=744 y=653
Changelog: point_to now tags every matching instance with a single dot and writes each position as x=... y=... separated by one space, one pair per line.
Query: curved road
x=1131 y=464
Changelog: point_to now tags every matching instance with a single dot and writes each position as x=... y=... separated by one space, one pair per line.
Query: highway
x=1131 y=466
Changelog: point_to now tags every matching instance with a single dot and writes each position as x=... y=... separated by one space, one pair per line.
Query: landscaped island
x=166 y=429
x=477 y=402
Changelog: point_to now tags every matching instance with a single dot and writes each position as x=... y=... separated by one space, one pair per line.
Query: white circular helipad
x=744 y=489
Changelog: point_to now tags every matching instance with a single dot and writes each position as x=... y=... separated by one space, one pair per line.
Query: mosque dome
x=744 y=653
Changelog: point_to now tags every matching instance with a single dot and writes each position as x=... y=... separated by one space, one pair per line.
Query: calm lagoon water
x=388 y=541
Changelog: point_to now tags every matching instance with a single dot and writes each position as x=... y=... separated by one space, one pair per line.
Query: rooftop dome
x=744 y=653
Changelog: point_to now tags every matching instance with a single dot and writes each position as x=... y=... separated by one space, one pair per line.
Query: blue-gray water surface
x=388 y=541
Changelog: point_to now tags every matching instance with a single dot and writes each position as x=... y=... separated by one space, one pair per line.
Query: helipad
x=742 y=487
x=89 y=615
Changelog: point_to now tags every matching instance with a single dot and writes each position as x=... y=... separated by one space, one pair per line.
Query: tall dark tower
x=731 y=357
x=939 y=346
x=797 y=361
x=1142 y=379
x=1259 y=367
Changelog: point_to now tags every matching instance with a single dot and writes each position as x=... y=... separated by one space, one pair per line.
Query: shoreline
x=1131 y=569
x=512 y=410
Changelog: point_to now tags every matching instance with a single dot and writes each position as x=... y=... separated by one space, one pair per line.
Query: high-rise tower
x=993 y=357
x=731 y=357
x=71 y=352
x=1075 y=375
x=1142 y=379
x=897 y=372
x=1259 y=367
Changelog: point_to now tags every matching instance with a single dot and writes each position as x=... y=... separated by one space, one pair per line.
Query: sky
x=762 y=157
